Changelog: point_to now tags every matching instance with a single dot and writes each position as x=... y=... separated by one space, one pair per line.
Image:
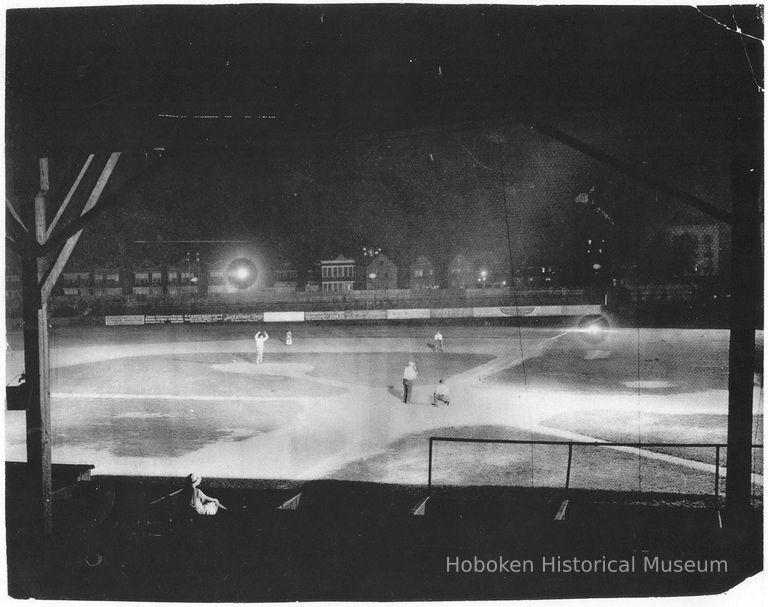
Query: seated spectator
x=199 y=501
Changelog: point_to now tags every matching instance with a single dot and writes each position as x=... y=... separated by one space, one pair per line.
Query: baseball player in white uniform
x=260 y=338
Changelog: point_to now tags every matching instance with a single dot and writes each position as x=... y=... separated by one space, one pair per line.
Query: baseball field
x=167 y=400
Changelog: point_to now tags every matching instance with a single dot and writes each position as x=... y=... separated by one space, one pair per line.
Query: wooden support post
x=37 y=283
x=36 y=369
x=746 y=298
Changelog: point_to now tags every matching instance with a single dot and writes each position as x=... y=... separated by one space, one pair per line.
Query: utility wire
x=514 y=290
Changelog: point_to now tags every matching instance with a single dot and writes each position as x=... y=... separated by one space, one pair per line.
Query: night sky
x=397 y=126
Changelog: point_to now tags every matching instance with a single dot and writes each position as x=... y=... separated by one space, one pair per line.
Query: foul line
x=168 y=397
x=646 y=453
x=561 y=334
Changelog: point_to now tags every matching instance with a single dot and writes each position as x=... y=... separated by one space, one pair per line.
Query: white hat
x=194 y=479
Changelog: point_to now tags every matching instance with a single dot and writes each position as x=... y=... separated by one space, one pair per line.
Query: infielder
x=441 y=395
x=409 y=375
x=439 y=341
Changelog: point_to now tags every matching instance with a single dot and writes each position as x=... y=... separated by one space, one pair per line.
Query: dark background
x=337 y=127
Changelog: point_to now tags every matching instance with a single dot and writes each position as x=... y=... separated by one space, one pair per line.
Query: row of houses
x=330 y=275
x=695 y=248
x=346 y=274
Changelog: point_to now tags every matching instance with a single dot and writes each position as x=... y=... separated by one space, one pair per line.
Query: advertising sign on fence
x=365 y=315
x=283 y=316
x=130 y=319
x=160 y=319
x=491 y=312
x=324 y=315
x=407 y=313
x=258 y=317
x=203 y=318
x=394 y=314
x=450 y=313
x=575 y=310
x=520 y=310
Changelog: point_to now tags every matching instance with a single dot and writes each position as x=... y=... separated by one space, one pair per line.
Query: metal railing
x=570 y=444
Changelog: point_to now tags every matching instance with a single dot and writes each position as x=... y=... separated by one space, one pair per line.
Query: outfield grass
x=656 y=361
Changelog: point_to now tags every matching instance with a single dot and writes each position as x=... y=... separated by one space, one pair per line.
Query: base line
x=167 y=397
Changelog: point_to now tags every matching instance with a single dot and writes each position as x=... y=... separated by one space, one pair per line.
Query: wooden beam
x=115 y=196
x=25 y=243
x=49 y=281
x=44 y=179
x=291 y=504
x=632 y=171
x=560 y=516
x=40 y=229
x=14 y=246
x=420 y=509
x=15 y=215
x=71 y=192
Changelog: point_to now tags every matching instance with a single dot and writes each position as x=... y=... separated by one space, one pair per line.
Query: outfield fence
x=716 y=447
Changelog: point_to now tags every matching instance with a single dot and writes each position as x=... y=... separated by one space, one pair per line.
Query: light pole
x=195 y=280
x=372 y=277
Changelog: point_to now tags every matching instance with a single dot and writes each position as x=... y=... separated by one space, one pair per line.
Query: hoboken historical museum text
x=572 y=564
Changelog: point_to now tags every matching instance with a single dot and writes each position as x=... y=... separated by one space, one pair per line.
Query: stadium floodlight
x=594 y=328
x=242 y=273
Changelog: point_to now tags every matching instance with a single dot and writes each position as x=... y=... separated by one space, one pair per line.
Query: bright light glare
x=241 y=273
x=594 y=328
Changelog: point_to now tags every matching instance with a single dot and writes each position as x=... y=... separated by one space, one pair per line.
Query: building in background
x=461 y=273
x=181 y=279
x=422 y=274
x=696 y=247
x=381 y=273
x=217 y=280
x=286 y=278
x=310 y=279
x=148 y=281
x=338 y=274
x=106 y=281
x=75 y=282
